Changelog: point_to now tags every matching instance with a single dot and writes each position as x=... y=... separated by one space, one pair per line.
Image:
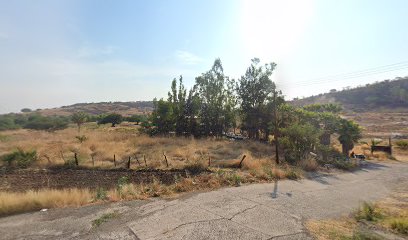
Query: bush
x=112 y=118
x=38 y=122
x=368 y=212
x=400 y=225
x=21 y=158
x=403 y=144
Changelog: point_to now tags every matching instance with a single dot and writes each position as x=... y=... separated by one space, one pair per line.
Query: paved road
x=259 y=211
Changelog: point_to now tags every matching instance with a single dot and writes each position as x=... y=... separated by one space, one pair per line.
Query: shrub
x=38 y=122
x=101 y=194
x=368 y=212
x=403 y=144
x=20 y=157
x=366 y=235
x=400 y=225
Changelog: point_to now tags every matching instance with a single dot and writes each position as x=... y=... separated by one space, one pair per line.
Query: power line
x=356 y=74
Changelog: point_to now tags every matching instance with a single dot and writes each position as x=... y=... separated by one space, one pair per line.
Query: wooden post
x=165 y=158
x=76 y=159
x=93 y=161
x=209 y=161
x=240 y=163
x=144 y=157
x=390 y=144
x=114 y=160
x=137 y=160
x=128 y=163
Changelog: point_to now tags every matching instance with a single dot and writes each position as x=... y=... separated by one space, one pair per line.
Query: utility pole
x=276 y=133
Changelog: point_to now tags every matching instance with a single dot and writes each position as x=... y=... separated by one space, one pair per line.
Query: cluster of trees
x=33 y=121
x=39 y=122
x=217 y=104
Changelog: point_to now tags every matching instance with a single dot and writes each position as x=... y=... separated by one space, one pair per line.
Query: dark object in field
x=234 y=136
x=360 y=156
x=387 y=149
x=240 y=163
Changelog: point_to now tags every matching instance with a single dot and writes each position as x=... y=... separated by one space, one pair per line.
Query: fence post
x=128 y=163
x=76 y=159
x=165 y=158
x=114 y=160
x=144 y=157
x=240 y=163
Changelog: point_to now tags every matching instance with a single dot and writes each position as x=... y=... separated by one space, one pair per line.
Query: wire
x=356 y=74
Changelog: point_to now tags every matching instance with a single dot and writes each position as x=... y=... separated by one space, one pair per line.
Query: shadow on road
x=370 y=166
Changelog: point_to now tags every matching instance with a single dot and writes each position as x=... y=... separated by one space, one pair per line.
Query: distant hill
x=388 y=95
x=123 y=108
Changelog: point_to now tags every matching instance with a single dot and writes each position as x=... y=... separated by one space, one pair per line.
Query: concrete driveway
x=259 y=211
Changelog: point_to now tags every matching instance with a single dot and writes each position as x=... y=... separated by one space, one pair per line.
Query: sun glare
x=271 y=29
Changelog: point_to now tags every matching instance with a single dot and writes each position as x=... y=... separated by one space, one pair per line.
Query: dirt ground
x=22 y=180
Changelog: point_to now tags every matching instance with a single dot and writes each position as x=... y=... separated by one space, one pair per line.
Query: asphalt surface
x=259 y=211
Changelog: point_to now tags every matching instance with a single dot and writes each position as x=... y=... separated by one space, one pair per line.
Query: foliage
x=79 y=118
x=104 y=218
x=136 y=118
x=39 y=122
x=400 y=225
x=255 y=93
x=403 y=144
x=25 y=110
x=368 y=212
x=20 y=158
x=112 y=118
x=298 y=140
x=101 y=194
x=349 y=133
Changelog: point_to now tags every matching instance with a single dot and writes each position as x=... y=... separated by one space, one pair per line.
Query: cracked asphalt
x=258 y=211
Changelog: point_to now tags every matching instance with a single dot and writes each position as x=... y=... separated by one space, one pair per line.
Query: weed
x=366 y=235
x=403 y=144
x=400 y=225
x=101 y=194
x=104 y=218
x=368 y=212
x=234 y=179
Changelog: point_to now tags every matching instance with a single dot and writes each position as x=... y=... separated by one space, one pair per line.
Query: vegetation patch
x=104 y=218
x=20 y=158
x=389 y=216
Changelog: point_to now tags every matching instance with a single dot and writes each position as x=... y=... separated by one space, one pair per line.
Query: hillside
x=123 y=108
x=385 y=95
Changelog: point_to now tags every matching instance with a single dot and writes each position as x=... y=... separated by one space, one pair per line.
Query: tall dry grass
x=103 y=142
x=12 y=203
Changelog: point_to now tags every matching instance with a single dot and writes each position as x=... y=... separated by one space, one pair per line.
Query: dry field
x=104 y=143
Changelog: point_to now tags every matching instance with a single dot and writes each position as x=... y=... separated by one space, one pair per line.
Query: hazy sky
x=56 y=52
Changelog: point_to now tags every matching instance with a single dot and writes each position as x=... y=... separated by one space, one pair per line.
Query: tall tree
x=217 y=99
x=255 y=92
x=177 y=97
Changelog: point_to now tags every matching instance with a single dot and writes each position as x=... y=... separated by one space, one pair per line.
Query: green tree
x=162 y=117
x=255 y=92
x=79 y=118
x=298 y=140
x=112 y=118
x=177 y=97
x=216 y=94
x=349 y=133
x=137 y=118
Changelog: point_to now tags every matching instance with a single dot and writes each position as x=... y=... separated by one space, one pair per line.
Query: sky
x=61 y=52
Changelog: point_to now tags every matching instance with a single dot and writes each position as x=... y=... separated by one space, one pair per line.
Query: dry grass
x=332 y=229
x=103 y=142
x=389 y=215
x=12 y=203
